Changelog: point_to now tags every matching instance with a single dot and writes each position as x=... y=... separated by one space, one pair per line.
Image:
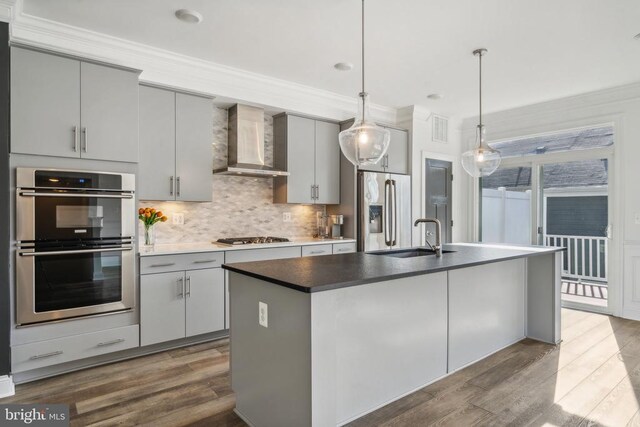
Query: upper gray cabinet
x=176 y=132
x=396 y=160
x=194 y=155
x=69 y=108
x=309 y=150
x=109 y=113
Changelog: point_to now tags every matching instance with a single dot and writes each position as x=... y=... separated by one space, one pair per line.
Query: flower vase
x=149 y=235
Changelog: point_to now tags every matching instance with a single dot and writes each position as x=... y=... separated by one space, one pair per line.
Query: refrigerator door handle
x=395 y=213
x=387 y=213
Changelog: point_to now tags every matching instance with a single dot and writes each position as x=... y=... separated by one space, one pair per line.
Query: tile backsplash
x=242 y=206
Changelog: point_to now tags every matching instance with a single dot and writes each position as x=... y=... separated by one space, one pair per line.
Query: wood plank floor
x=592 y=378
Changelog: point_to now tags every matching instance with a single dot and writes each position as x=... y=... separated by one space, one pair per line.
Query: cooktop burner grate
x=251 y=240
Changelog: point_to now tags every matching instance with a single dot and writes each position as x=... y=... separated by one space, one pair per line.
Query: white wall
x=419 y=122
x=619 y=106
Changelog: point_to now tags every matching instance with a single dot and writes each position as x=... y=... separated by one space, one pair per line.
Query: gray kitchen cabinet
x=327 y=163
x=109 y=113
x=45 y=104
x=396 y=160
x=157 y=165
x=309 y=150
x=205 y=298
x=194 y=156
x=186 y=301
x=176 y=132
x=70 y=108
x=162 y=307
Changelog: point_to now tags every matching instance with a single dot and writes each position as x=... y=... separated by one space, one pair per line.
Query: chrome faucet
x=437 y=247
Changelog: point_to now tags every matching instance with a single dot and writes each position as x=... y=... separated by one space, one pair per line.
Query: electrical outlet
x=263 y=314
x=286 y=217
x=178 y=218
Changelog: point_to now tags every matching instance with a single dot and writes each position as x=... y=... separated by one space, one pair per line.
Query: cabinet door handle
x=178 y=186
x=316 y=252
x=85 y=146
x=188 y=286
x=75 y=139
x=166 y=264
x=317 y=192
x=43 y=356
x=112 y=342
x=171 y=186
x=343 y=249
x=313 y=187
x=205 y=261
x=181 y=287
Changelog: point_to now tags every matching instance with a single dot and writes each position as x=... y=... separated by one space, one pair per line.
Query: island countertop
x=315 y=274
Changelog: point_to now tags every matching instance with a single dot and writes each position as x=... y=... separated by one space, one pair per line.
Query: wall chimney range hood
x=246 y=144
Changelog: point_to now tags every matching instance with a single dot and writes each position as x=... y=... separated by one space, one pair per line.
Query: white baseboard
x=6 y=386
x=630 y=313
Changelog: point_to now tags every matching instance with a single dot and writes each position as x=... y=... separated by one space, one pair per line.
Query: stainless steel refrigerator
x=384 y=211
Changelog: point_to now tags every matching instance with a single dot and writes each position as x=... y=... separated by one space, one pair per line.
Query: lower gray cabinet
x=181 y=304
x=204 y=301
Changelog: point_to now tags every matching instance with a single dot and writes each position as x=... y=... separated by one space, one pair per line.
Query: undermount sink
x=409 y=253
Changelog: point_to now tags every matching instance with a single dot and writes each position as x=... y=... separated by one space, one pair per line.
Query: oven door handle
x=96 y=195
x=78 y=251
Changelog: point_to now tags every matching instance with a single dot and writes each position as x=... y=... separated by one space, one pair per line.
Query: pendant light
x=364 y=143
x=484 y=160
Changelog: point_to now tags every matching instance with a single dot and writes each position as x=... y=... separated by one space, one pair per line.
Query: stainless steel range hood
x=246 y=144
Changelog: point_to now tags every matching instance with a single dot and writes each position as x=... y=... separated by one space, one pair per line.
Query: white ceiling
x=538 y=49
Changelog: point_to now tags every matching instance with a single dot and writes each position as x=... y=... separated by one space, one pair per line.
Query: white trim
x=599 y=190
x=424 y=155
x=7 y=10
x=7 y=387
x=181 y=71
x=631 y=313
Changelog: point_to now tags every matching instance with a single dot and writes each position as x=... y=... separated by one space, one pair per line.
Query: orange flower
x=140 y=211
x=159 y=214
x=147 y=214
x=152 y=211
x=164 y=219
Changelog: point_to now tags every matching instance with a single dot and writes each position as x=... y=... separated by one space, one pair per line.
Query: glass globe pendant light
x=484 y=160
x=364 y=143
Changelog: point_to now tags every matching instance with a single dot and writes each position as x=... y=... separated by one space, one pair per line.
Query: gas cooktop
x=251 y=240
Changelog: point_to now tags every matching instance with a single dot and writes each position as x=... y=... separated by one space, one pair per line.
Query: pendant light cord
x=362 y=46
x=480 y=85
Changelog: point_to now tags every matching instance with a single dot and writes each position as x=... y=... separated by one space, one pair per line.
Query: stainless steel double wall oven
x=75 y=244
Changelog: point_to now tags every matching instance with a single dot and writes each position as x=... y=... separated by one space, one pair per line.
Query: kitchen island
x=322 y=341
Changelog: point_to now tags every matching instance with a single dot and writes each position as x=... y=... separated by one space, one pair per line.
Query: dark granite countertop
x=323 y=273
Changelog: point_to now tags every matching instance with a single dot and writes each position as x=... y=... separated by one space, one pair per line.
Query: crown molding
x=7 y=10
x=163 y=67
x=613 y=95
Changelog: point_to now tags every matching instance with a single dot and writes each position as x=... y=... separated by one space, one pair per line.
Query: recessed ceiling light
x=435 y=96
x=190 y=16
x=343 y=66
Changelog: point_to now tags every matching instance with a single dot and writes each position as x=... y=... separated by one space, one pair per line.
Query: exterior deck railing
x=585 y=257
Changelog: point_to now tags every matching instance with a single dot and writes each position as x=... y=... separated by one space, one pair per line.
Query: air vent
x=440 y=129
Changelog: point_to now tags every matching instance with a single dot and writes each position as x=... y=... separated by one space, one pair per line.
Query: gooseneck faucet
x=437 y=247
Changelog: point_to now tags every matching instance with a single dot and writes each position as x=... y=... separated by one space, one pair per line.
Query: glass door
x=574 y=214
